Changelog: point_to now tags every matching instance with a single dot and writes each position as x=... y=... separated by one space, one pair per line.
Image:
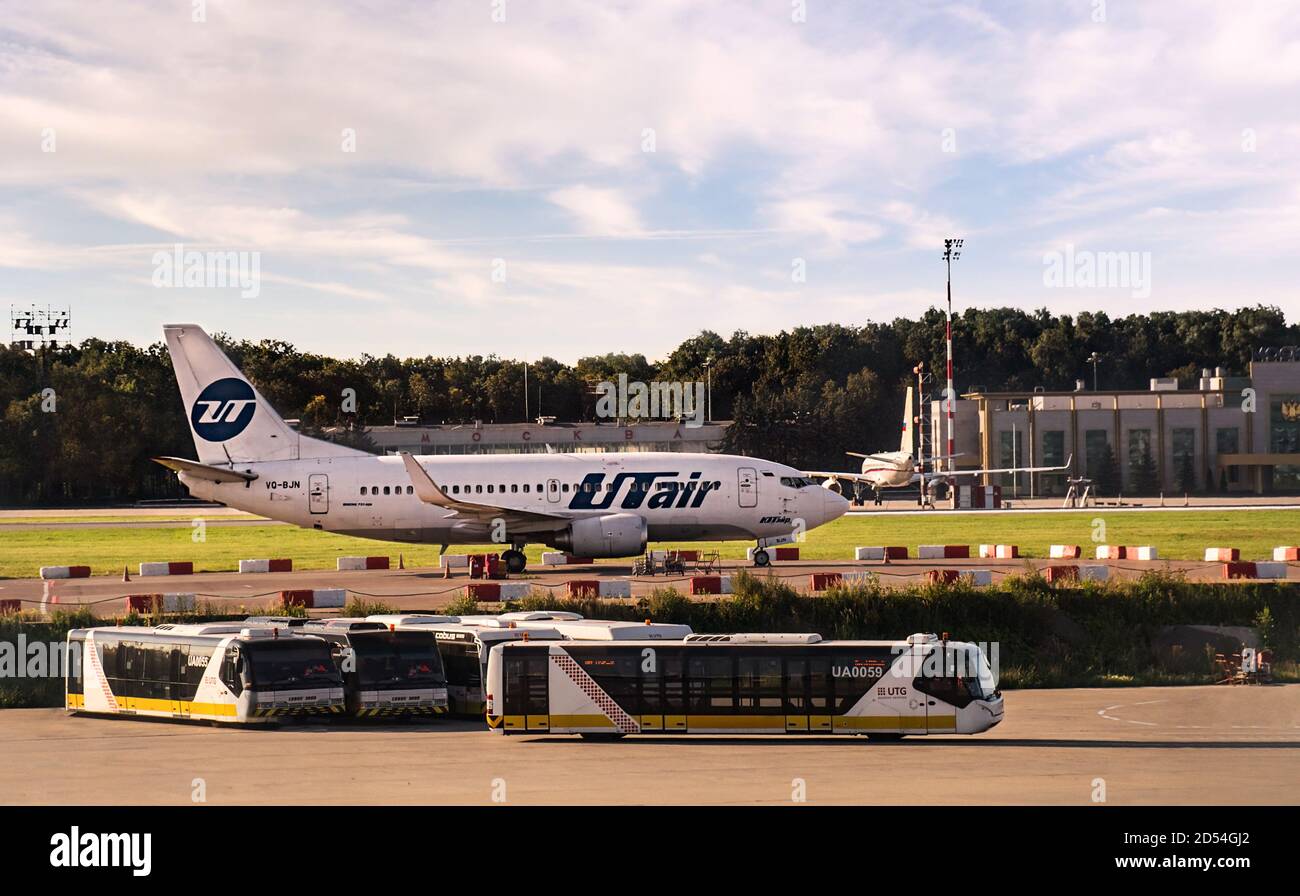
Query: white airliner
x=591 y=505
x=897 y=469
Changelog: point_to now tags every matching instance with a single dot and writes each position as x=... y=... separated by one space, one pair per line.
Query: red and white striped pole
x=951 y=252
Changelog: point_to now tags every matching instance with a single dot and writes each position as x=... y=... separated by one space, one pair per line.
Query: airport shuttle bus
x=769 y=684
x=465 y=642
x=464 y=648
x=214 y=672
x=385 y=672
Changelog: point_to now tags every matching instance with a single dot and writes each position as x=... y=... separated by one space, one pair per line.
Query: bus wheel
x=516 y=562
x=761 y=558
x=886 y=737
x=592 y=736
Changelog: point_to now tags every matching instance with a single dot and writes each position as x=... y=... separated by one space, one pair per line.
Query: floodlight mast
x=951 y=252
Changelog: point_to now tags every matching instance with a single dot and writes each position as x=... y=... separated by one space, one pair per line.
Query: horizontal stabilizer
x=203 y=471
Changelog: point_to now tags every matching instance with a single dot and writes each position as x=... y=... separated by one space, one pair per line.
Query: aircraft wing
x=516 y=520
x=1062 y=468
x=849 y=477
x=203 y=471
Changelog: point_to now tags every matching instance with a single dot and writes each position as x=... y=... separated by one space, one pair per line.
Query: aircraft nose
x=833 y=506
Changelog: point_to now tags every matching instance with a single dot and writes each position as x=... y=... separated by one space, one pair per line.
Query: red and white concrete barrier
x=1071 y=573
x=1222 y=555
x=489 y=591
x=65 y=572
x=454 y=561
x=880 y=553
x=10 y=605
x=283 y=564
x=1120 y=552
x=515 y=590
x=943 y=551
x=324 y=598
x=559 y=558
x=977 y=576
x=167 y=568
x=945 y=576
x=820 y=581
x=857 y=578
x=176 y=602
x=1064 y=552
x=1062 y=573
x=710 y=584
x=615 y=588
x=1263 y=569
x=582 y=587
x=355 y=563
x=999 y=551
x=1286 y=554
x=687 y=556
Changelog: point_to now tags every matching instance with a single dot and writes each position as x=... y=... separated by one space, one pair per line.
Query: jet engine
x=611 y=535
x=834 y=485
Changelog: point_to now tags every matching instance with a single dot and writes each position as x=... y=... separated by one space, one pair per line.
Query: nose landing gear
x=761 y=558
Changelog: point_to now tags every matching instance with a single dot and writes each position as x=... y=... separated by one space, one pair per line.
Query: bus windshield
x=397 y=662
x=283 y=665
x=985 y=682
x=463 y=666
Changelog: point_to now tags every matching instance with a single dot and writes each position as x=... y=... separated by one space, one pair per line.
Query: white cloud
x=599 y=212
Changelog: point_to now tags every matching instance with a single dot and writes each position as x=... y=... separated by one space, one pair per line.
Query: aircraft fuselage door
x=553 y=491
x=318 y=493
x=747 y=487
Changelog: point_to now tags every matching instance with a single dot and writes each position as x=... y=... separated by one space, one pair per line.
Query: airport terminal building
x=565 y=438
x=1233 y=434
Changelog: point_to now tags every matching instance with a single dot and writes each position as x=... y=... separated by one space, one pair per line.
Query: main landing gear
x=515 y=561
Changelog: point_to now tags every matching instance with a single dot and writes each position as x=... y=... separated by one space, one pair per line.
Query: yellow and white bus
x=465 y=642
x=748 y=683
x=464 y=648
x=385 y=672
x=219 y=672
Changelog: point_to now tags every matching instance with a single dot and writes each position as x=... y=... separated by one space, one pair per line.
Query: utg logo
x=223 y=410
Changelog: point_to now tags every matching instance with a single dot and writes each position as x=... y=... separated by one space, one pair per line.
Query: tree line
x=81 y=422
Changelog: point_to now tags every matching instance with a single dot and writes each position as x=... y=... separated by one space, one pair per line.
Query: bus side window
x=820 y=685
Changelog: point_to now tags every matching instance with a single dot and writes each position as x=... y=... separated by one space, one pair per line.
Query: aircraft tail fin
x=230 y=420
x=909 y=415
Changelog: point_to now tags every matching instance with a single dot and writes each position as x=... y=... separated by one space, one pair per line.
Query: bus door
x=807 y=692
x=526 y=703
x=747 y=486
x=318 y=493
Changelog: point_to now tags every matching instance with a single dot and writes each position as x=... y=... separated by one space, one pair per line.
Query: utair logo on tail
x=223 y=410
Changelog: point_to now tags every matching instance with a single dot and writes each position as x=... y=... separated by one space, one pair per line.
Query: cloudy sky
x=571 y=177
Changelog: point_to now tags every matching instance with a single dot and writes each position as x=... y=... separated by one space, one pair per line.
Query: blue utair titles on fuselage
x=594 y=494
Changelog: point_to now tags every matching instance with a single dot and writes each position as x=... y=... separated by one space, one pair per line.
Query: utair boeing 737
x=591 y=505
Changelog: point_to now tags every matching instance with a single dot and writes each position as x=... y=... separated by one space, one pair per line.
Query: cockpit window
x=796 y=481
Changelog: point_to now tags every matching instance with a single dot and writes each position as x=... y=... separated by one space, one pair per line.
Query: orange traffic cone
x=400 y=564
x=126 y=575
x=446 y=571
